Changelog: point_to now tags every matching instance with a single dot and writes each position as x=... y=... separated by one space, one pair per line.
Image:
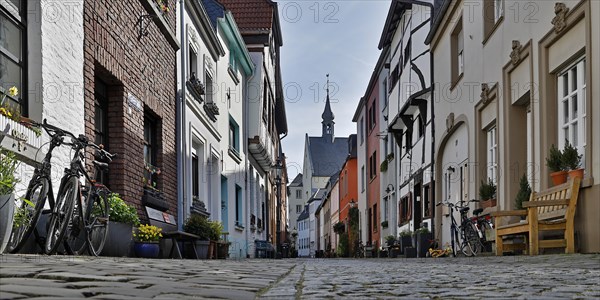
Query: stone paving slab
x=521 y=277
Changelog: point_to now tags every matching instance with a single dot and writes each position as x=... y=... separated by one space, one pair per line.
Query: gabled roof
x=440 y=8
x=297 y=181
x=318 y=195
x=304 y=215
x=327 y=157
x=254 y=16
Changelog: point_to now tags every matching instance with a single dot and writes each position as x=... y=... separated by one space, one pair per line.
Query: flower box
x=154 y=199
x=488 y=203
x=21 y=140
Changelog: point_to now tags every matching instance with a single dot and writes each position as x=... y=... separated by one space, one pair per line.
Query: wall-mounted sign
x=134 y=102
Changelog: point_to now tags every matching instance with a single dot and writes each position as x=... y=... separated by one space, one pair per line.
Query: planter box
x=394 y=252
x=488 y=203
x=7 y=208
x=222 y=250
x=405 y=241
x=20 y=140
x=423 y=243
x=154 y=199
x=410 y=252
x=201 y=249
x=119 y=241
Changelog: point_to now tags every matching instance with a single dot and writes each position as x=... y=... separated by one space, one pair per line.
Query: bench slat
x=545 y=203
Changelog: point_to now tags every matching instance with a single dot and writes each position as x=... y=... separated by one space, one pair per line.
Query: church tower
x=327 y=116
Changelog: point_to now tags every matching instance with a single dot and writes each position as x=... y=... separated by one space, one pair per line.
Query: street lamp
x=278 y=167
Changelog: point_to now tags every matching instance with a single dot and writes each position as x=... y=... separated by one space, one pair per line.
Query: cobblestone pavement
x=541 y=277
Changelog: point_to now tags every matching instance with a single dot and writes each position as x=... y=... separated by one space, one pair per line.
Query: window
x=404 y=210
x=373 y=165
x=238 y=206
x=345 y=182
x=101 y=122
x=265 y=101
x=492 y=148
x=362 y=178
x=407 y=51
x=209 y=88
x=372 y=115
x=408 y=140
x=361 y=130
x=427 y=207
x=150 y=148
x=493 y=11
x=420 y=126
x=234 y=136
x=195 y=181
x=572 y=107
x=298 y=208
x=457 y=52
x=193 y=67
x=298 y=194
x=13 y=51
x=385 y=208
x=384 y=99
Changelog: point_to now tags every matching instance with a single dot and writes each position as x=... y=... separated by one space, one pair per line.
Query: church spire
x=327 y=116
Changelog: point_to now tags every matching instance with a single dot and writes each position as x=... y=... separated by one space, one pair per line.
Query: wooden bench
x=549 y=210
x=170 y=234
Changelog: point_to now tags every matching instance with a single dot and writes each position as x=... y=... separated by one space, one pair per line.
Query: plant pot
x=410 y=252
x=201 y=249
x=146 y=249
x=488 y=203
x=154 y=199
x=405 y=241
x=7 y=209
x=222 y=250
x=423 y=243
x=559 y=177
x=394 y=252
x=212 y=249
x=576 y=173
x=119 y=240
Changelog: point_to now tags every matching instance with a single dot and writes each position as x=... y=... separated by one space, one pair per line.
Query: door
x=417 y=213
x=224 y=204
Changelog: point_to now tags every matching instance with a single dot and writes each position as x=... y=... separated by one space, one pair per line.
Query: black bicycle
x=39 y=188
x=80 y=215
x=469 y=243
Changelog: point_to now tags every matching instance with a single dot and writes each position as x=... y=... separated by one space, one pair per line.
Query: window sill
x=487 y=36
x=456 y=81
x=233 y=153
x=239 y=227
x=588 y=181
x=233 y=75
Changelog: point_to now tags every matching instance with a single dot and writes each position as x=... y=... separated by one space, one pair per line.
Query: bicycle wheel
x=27 y=213
x=97 y=215
x=471 y=245
x=75 y=236
x=61 y=215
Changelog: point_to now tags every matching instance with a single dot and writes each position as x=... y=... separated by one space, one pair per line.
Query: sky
x=338 y=38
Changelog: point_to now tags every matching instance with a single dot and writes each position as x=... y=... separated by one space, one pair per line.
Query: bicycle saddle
x=477 y=211
x=100 y=165
x=464 y=209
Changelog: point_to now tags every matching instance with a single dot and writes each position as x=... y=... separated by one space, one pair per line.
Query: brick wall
x=144 y=68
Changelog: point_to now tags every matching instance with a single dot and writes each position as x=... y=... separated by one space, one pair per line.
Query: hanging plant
x=163 y=5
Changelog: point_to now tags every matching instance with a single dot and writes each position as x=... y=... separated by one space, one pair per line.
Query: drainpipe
x=245 y=114
x=180 y=139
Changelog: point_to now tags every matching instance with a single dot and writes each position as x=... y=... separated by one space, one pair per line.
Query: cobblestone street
x=541 y=277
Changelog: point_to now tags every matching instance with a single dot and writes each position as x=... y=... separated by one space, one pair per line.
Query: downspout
x=180 y=139
x=247 y=162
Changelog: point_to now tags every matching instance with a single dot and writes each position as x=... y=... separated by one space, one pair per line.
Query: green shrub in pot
x=121 y=211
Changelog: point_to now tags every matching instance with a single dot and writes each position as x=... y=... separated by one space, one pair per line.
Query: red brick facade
x=143 y=68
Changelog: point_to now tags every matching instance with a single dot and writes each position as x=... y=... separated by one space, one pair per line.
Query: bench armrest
x=509 y=213
x=545 y=203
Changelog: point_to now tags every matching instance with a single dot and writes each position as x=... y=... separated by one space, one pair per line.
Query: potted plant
x=572 y=161
x=200 y=226
x=384 y=224
x=423 y=238
x=8 y=166
x=393 y=248
x=487 y=194
x=405 y=240
x=216 y=229
x=556 y=165
x=122 y=219
x=146 y=241
x=339 y=228
x=524 y=192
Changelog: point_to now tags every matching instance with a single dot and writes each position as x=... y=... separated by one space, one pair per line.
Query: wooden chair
x=549 y=210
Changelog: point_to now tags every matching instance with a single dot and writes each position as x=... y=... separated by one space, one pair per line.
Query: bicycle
x=469 y=243
x=82 y=221
x=483 y=224
x=38 y=190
